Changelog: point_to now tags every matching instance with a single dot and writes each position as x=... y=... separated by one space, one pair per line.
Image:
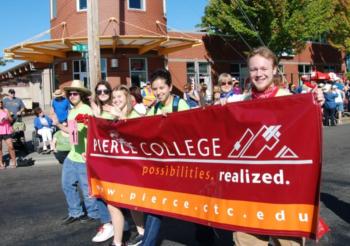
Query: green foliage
x=339 y=35
x=283 y=25
x=347 y=75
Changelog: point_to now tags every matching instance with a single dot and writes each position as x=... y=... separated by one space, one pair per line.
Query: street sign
x=80 y=47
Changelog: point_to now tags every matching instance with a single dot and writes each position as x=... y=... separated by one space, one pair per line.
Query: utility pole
x=93 y=43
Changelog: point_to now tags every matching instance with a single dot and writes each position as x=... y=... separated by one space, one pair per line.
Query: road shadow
x=339 y=207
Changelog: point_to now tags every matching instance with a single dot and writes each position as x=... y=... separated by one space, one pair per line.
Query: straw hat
x=77 y=85
x=58 y=93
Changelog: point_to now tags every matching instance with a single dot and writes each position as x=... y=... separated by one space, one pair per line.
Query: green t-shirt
x=106 y=115
x=78 y=149
x=169 y=108
x=62 y=142
x=133 y=114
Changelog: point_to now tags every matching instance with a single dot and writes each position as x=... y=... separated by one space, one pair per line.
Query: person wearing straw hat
x=60 y=105
x=74 y=166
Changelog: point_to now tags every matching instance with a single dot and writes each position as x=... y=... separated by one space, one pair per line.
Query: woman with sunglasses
x=74 y=172
x=122 y=108
x=5 y=134
x=226 y=86
x=103 y=96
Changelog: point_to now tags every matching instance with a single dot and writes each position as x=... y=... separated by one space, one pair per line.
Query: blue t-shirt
x=13 y=105
x=61 y=108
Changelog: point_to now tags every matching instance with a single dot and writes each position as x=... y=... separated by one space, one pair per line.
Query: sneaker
x=68 y=220
x=104 y=233
x=85 y=219
x=135 y=240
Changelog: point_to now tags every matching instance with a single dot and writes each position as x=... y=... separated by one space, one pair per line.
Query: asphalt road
x=32 y=204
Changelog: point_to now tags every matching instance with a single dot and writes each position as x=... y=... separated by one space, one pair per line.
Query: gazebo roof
x=46 y=51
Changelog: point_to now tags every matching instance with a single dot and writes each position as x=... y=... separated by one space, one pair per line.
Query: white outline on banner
x=266 y=132
x=208 y=161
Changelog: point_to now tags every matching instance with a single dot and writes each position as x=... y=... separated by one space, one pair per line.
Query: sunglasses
x=226 y=83
x=100 y=92
x=74 y=94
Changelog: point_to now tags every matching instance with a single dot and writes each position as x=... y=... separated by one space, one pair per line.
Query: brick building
x=134 y=41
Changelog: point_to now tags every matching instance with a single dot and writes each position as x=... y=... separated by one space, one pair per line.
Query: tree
x=282 y=25
x=339 y=34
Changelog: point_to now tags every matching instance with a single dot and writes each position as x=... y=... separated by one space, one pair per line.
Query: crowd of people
x=63 y=135
x=337 y=98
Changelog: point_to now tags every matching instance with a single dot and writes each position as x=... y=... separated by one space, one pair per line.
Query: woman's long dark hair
x=109 y=88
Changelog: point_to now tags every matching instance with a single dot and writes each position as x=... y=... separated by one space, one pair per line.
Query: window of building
x=53 y=9
x=80 y=71
x=138 y=70
x=136 y=4
x=304 y=69
x=199 y=72
x=329 y=68
x=235 y=69
x=239 y=71
x=81 y=5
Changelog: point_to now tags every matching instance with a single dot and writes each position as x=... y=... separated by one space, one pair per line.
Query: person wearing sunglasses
x=74 y=166
x=5 y=134
x=103 y=97
x=226 y=86
x=122 y=108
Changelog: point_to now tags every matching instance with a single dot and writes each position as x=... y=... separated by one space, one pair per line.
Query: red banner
x=249 y=166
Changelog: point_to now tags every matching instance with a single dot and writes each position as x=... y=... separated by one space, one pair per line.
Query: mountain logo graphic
x=252 y=145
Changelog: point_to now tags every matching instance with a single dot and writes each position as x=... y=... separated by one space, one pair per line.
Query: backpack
x=176 y=101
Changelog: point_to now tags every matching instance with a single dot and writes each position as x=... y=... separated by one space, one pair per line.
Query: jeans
x=74 y=174
x=152 y=227
x=103 y=211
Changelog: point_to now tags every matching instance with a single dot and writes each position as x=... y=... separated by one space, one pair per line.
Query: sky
x=24 y=19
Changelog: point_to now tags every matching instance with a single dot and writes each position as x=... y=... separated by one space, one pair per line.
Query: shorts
x=5 y=136
x=340 y=107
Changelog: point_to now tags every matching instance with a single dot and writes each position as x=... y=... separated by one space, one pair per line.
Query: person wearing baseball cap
x=13 y=104
x=60 y=105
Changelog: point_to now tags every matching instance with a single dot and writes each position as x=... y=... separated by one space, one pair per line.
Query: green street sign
x=80 y=47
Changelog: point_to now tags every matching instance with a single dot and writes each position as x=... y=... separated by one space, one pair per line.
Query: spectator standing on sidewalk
x=74 y=166
x=61 y=144
x=191 y=95
x=226 y=87
x=329 y=106
x=148 y=96
x=14 y=104
x=60 y=106
x=5 y=134
x=339 y=100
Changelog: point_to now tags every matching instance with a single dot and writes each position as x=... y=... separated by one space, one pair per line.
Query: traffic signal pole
x=93 y=43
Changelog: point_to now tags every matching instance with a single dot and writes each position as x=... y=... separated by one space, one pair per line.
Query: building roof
x=46 y=51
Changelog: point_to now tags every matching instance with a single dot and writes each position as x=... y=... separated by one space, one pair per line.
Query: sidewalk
x=39 y=159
